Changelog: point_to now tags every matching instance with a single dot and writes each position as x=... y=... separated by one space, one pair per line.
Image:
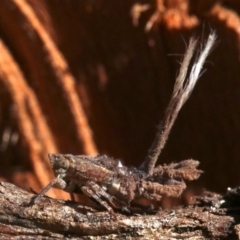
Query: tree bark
x=59 y=219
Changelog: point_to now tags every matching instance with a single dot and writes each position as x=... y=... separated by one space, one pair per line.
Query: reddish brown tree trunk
x=80 y=77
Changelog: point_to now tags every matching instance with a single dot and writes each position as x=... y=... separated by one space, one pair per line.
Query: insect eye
x=58 y=161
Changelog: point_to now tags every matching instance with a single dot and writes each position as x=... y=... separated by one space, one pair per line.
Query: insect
x=115 y=186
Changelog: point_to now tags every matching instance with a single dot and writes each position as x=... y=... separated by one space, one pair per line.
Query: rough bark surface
x=58 y=219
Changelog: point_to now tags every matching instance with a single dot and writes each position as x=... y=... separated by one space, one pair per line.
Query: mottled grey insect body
x=98 y=177
x=113 y=185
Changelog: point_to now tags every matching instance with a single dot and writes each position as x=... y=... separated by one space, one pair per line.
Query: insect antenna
x=183 y=88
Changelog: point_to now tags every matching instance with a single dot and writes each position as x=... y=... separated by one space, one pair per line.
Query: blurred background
x=95 y=76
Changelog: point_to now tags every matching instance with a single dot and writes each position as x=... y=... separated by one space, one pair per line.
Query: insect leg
x=59 y=182
x=100 y=192
x=90 y=193
x=72 y=196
